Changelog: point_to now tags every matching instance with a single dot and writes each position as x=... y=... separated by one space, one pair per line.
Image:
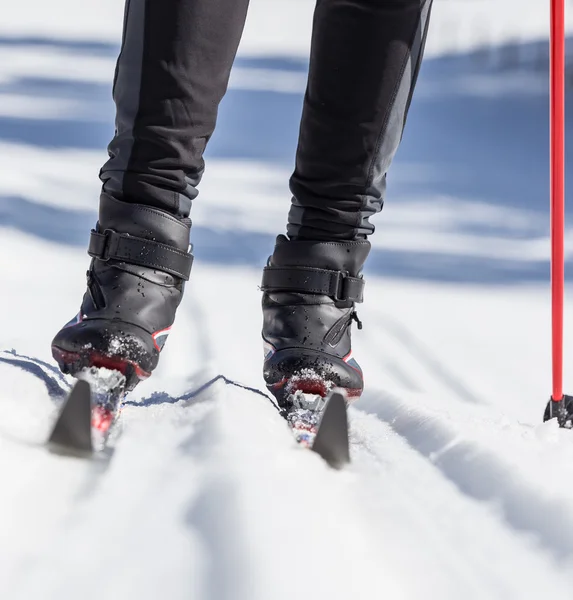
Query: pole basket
x=562 y=410
x=559 y=406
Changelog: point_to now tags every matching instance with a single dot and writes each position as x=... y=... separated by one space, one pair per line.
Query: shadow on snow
x=58 y=386
x=472 y=134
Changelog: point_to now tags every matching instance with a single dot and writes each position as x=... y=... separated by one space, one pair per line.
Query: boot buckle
x=340 y=287
x=104 y=246
x=347 y=288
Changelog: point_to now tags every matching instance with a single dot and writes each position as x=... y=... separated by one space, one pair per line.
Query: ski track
x=206 y=495
x=53 y=379
x=219 y=466
x=481 y=473
x=472 y=551
x=477 y=468
x=408 y=362
x=225 y=501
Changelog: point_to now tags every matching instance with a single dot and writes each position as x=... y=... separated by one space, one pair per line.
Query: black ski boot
x=141 y=260
x=310 y=289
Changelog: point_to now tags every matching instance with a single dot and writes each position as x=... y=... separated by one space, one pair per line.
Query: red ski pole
x=560 y=406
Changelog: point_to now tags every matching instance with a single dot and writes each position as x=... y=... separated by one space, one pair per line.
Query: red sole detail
x=308 y=386
x=100 y=361
x=313 y=386
x=102 y=418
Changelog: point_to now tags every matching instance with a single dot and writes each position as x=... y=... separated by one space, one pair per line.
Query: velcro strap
x=111 y=245
x=336 y=284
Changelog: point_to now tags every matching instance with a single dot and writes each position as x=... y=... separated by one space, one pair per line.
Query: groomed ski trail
x=209 y=497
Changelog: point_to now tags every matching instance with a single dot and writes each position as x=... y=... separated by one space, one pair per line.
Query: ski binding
x=89 y=413
x=321 y=424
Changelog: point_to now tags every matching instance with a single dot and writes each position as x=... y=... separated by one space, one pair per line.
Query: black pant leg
x=171 y=74
x=364 y=62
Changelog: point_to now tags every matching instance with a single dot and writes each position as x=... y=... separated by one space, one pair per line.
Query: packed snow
x=456 y=488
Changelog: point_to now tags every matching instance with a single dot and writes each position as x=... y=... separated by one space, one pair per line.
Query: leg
x=364 y=63
x=171 y=75
x=172 y=72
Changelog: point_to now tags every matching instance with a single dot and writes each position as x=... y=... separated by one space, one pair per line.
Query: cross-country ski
x=89 y=413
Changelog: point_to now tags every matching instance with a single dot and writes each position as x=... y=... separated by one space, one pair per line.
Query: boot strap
x=111 y=245
x=336 y=284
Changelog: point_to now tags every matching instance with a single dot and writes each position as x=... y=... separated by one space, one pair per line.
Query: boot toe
x=291 y=369
x=110 y=344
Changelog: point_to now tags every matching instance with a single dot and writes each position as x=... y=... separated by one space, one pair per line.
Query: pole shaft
x=557 y=178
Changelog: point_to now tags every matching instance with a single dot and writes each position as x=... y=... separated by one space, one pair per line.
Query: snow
x=457 y=489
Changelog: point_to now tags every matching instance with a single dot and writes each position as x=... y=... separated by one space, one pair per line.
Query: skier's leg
x=170 y=77
x=364 y=63
x=365 y=59
x=171 y=74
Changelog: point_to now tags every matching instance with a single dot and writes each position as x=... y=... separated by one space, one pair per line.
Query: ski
x=89 y=413
x=321 y=425
x=92 y=408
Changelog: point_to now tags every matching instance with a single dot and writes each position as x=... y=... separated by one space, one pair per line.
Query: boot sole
x=72 y=363
x=289 y=370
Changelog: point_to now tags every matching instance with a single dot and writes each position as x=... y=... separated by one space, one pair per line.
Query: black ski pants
x=173 y=71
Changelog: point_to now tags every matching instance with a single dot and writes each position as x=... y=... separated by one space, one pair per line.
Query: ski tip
x=72 y=431
x=331 y=441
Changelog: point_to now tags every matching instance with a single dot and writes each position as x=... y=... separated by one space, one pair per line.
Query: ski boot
x=140 y=261
x=310 y=290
